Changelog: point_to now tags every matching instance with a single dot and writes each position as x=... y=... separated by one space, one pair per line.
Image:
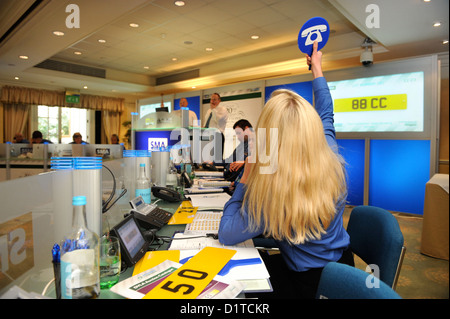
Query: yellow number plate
x=188 y=281
x=371 y=103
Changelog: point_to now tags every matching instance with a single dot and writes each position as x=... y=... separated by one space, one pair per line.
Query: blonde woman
x=301 y=203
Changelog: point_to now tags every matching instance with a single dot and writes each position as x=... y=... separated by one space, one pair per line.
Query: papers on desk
x=209 y=174
x=204 y=223
x=138 y=286
x=209 y=201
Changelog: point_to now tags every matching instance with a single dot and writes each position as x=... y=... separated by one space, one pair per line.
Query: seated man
x=235 y=162
x=18 y=138
x=36 y=138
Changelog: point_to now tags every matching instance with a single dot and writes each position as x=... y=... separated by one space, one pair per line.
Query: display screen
x=151 y=108
x=131 y=237
x=388 y=103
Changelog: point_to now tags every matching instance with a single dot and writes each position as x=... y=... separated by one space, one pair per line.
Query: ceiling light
x=101 y=40
x=255 y=37
x=194 y=87
x=445 y=42
x=58 y=33
x=437 y=24
x=426 y=0
x=23 y=57
x=85 y=87
x=77 y=53
x=179 y=3
x=146 y=67
x=134 y=25
x=174 y=59
x=16 y=78
x=209 y=49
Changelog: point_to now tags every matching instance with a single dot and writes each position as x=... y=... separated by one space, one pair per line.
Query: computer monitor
x=133 y=245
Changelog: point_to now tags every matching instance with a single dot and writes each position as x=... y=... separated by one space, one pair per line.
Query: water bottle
x=143 y=187
x=171 y=179
x=80 y=273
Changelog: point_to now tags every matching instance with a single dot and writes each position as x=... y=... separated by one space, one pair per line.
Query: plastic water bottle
x=80 y=272
x=143 y=187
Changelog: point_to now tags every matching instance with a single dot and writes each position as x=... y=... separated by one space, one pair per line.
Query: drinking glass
x=109 y=261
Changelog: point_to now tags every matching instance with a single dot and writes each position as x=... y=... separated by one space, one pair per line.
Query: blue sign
x=315 y=29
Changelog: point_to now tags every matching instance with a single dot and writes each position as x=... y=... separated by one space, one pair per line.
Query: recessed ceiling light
x=426 y=0
x=58 y=33
x=23 y=57
x=445 y=42
x=174 y=59
x=77 y=53
x=437 y=24
x=208 y=49
x=194 y=87
x=101 y=40
x=255 y=37
x=134 y=25
x=85 y=87
x=16 y=78
x=179 y=3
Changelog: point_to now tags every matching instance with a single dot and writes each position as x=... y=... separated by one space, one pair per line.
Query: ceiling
x=168 y=53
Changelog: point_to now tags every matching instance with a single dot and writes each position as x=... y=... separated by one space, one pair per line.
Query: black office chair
x=341 y=281
x=376 y=238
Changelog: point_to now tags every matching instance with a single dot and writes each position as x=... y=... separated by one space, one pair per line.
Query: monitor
x=133 y=245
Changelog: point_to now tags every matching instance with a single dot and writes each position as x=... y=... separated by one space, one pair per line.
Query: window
x=58 y=124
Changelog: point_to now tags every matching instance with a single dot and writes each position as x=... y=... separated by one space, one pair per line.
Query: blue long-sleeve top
x=234 y=224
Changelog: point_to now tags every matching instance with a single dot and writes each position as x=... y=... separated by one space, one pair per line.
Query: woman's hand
x=315 y=60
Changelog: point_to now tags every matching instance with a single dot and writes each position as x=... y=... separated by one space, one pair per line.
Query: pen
x=56 y=260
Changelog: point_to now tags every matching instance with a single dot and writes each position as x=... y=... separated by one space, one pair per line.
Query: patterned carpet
x=421 y=276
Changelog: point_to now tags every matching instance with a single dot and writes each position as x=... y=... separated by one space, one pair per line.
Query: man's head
x=243 y=129
x=215 y=100
x=36 y=137
x=183 y=103
x=18 y=137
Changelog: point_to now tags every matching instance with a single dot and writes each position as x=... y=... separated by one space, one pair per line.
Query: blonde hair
x=297 y=202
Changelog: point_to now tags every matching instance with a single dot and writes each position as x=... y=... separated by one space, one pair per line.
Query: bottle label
x=145 y=193
x=79 y=274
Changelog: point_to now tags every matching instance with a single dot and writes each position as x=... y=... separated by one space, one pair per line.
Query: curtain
x=15 y=94
x=111 y=124
x=15 y=120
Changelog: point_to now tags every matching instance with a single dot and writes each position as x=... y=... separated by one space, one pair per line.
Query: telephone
x=167 y=194
x=317 y=29
x=149 y=215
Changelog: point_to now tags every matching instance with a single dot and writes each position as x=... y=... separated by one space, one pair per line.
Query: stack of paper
x=209 y=201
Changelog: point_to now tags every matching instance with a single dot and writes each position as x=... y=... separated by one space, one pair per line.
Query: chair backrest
x=341 y=281
x=376 y=238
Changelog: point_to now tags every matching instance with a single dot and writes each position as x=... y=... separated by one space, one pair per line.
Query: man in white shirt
x=193 y=120
x=217 y=116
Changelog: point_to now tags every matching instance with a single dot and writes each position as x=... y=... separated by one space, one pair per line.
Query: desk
x=435 y=218
x=249 y=275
